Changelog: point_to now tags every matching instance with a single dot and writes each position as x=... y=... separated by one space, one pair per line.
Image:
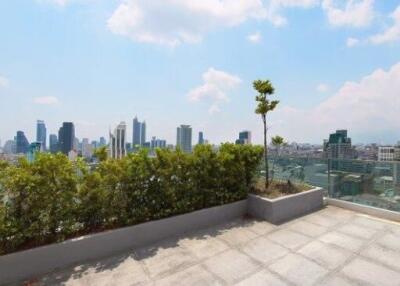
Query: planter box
x=22 y=265
x=285 y=208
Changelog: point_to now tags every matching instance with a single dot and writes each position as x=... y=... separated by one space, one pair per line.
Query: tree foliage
x=52 y=198
x=264 y=106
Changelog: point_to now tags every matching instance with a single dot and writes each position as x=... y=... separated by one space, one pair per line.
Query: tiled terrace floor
x=331 y=247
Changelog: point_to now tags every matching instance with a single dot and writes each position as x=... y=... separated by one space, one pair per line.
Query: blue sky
x=334 y=64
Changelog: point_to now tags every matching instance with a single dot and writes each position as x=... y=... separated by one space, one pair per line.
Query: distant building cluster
x=65 y=142
x=337 y=147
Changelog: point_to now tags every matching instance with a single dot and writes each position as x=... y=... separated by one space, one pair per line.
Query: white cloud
x=322 y=87
x=370 y=106
x=215 y=86
x=352 y=42
x=254 y=38
x=3 y=81
x=355 y=13
x=392 y=33
x=274 y=11
x=46 y=100
x=173 y=22
x=214 y=109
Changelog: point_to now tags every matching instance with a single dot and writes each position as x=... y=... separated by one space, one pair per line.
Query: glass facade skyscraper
x=138 y=133
x=158 y=143
x=339 y=146
x=201 y=138
x=41 y=134
x=22 y=144
x=66 y=137
x=244 y=137
x=184 y=138
x=102 y=142
x=53 y=142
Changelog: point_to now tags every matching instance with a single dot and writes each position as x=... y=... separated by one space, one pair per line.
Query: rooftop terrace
x=333 y=246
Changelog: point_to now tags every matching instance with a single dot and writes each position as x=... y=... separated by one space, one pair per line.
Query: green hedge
x=53 y=199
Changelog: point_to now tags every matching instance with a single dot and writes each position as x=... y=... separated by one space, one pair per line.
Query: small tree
x=265 y=105
x=101 y=154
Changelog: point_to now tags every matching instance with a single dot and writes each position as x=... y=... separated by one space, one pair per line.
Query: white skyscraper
x=87 y=148
x=184 y=138
x=117 y=149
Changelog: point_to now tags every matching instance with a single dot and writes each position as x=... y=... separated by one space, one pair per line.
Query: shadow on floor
x=62 y=276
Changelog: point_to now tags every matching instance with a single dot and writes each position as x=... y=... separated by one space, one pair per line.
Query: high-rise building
x=10 y=147
x=87 y=148
x=143 y=133
x=388 y=153
x=66 y=137
x=117 y=148
x=102 y=142
x=184 y=138
x=41 y=134
x=158 y=143
x=139 y=133
x=95 y=144
x=53 y=142
x=201 y=138
x=339 y=146
x=22 y=144
x=244 y=137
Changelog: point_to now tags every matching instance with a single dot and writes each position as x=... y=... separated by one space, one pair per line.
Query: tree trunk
x=266 y=153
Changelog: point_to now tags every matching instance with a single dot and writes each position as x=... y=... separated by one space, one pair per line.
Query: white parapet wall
x=18 y=266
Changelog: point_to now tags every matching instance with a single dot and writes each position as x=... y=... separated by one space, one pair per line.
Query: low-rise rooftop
x=333 y=246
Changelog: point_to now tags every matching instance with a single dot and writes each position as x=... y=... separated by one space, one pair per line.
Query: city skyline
x=130 y=137
x=334 y=66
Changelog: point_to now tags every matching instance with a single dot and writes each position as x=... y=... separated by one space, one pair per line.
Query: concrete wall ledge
x=22 y=265
x=369 y=210
x=285 y=208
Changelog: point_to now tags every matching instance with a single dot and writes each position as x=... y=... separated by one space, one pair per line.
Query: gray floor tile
x=161 y=262
x=195 y=275
x=204 y=247
x=322 y=220
x=288 y=238
x=236 y=235
x=325 y=254
x=371 y=222
x=263 y=277
x=231 y=266
x=369 y=273
x=337 y=281
x=308 y=228
x=298 y=269
x=343 y=240
x=338 y=213
x=387 y=256
x=261 y=227
x=264 y=250
x=390 y=240
x=358 y=231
